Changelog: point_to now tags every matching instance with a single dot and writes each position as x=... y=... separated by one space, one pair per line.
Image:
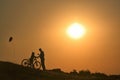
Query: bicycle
x=36 y=64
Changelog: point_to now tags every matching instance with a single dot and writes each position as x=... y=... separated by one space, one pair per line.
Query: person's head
x=33 y=53
x=40 y=49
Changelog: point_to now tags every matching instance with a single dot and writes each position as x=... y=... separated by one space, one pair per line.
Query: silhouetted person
x=32 y=58
x=42 y=58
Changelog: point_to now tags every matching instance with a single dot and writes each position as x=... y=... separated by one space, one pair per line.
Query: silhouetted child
x=32 y=58
x=42 y=58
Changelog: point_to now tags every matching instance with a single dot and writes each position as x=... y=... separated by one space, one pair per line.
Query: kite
x=10 y=39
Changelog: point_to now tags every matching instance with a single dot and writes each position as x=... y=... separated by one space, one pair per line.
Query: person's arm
x=37 y=56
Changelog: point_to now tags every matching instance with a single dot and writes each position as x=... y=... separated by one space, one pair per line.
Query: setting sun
x=75 y=31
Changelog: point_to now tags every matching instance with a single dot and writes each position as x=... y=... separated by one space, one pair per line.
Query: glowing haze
x=43 y=24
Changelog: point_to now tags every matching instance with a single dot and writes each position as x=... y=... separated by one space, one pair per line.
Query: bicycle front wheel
x=37 y=65
x=25 y=62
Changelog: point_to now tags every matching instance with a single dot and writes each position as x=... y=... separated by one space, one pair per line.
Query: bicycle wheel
x=25 y=62
x=37 y=65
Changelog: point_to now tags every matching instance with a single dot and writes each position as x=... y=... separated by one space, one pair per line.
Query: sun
x=76 y=31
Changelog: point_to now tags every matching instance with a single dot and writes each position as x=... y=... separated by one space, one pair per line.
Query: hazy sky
x=42 y=24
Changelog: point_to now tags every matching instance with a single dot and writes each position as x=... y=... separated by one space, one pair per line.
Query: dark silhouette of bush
x=84 y=73
x=74 y=72
x=98 y=74
x=114 y=77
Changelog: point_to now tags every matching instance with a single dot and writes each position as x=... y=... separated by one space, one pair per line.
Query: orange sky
x=43 y=24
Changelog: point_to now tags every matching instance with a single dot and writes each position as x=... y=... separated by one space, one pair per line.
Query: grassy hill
x=11 y=71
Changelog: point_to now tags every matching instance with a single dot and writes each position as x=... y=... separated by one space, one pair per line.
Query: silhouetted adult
x=42 y=58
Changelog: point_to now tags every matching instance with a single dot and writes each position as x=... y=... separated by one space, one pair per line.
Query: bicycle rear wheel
x=25 y=62
x=37 y=65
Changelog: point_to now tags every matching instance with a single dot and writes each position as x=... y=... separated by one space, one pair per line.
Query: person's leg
x=31 y=63
x=43 y=64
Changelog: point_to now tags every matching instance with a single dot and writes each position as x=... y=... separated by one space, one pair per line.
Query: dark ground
x=11 y=71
